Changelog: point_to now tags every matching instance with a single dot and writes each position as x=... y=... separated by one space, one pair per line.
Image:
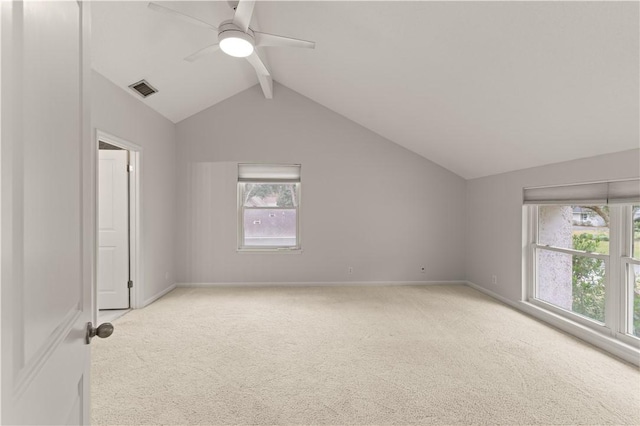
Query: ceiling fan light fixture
x=236 y=43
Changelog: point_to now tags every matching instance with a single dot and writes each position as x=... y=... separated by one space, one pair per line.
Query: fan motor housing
x=228 y=29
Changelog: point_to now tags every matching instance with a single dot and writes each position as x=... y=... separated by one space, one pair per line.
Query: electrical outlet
x=494 y=279
x=351 y=269
x=423 y=269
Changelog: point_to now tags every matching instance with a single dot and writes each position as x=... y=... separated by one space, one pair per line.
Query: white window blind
x=624 y=191
x=269 y=172
x=616 y=192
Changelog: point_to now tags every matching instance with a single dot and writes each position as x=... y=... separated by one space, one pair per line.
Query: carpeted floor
x=351 y=355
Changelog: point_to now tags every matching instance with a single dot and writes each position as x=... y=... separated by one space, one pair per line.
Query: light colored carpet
x=351 y=355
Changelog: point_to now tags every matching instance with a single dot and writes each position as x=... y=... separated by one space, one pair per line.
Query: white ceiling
x=477 y=87
x=132 y=42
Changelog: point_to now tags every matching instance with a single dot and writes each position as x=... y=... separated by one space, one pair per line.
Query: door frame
x=135 y=216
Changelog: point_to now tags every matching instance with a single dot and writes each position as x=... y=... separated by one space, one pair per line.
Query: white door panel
x=113 y=252
x=46 y=268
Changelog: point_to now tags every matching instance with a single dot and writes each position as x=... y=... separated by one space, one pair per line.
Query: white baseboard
x=320 y=284
x=604 y=342
x=492 y=294
x=158 y=296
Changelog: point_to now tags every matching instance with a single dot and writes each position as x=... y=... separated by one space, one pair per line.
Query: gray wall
x=366 y=202
x=120 y=114
x=494 y=241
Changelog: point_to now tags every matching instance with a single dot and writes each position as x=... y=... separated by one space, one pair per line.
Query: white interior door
x=47 y=229
x=113 y=214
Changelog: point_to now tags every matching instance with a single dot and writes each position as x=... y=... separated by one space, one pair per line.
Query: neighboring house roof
x=269 y=223
x=578 y=209
x=257 y=201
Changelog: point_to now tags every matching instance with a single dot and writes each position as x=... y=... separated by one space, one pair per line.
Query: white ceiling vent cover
x=143 y=88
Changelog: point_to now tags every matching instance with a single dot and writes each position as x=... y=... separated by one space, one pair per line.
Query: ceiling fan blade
x=195 y=21
x=257 y=63
x=202 y=52
x=244 y=11
x=265 y=39
x=264 y=77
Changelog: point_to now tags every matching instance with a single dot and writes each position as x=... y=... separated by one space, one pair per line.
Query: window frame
x=617 y=283
x=241 y=247
x=625 y=329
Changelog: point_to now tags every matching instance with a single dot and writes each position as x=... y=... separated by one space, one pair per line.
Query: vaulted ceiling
x=477 y=87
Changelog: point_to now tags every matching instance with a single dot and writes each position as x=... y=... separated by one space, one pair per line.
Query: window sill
x=268 y=251
x=597 y=326
x=610 y=344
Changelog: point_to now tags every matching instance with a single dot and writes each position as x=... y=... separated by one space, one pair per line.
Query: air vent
x=143 y=88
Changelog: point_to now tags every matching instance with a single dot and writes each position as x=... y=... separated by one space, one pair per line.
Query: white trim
x=599 y=326
x=626 y=276
x=158 y=296
x=89 y=202
x=630 y=260
x=84 y=212
x=626 y=300
x=321 y=284
x=492 y=294
x=530 y=234
x=611 y=345
x=116 y=141
x=573 y=252
x=615 y=296
x=135 y=187
x=590 y=182
x=269 y=250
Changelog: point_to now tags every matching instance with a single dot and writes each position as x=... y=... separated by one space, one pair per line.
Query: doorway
x=118 y=226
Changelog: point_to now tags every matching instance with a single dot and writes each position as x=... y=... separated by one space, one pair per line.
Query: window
x=571 y=259
x=268 y=207
x=632 y=266
x=584 y=255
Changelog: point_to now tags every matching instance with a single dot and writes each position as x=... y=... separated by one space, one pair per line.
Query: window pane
x=571 y=282
x=574 y=227
x=270 y=195
x=270 y=227
x=636 y=232
x=635 y=299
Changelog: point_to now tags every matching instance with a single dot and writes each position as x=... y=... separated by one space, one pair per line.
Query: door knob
x=103 y=331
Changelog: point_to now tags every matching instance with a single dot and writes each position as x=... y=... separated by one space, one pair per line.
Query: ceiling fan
x=236 y=38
